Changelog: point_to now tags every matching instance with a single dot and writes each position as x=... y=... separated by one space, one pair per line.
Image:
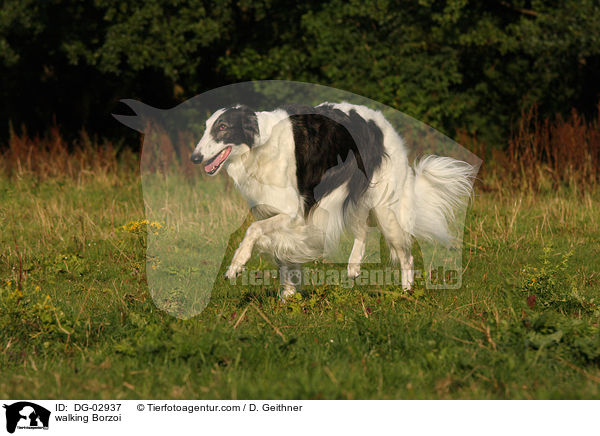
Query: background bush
x=455 y=64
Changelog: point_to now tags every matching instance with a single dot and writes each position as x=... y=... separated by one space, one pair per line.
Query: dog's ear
x=249 y=126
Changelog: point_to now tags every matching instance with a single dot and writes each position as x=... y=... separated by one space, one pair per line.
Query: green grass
x=77 y=319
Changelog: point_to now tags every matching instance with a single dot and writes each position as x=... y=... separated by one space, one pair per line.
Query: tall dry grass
x=562 y=151
x=541 y=154
x=52 y=156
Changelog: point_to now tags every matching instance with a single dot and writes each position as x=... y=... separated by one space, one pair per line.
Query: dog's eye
x=222 y=126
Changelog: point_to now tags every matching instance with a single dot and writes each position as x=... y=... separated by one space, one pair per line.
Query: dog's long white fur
x=442 y=186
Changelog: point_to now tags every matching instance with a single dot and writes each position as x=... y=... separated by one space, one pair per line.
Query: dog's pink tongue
x=218 y=160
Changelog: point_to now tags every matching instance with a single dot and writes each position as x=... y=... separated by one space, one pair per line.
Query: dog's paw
x=353 y=270
x=233 y=270
x=286 y=293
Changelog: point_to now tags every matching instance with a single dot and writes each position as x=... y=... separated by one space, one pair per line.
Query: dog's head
x=229 y=132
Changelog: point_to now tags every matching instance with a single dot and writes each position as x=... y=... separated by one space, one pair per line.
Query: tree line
x=455 y=64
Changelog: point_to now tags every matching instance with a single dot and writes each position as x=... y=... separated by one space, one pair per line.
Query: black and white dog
x=311 y=173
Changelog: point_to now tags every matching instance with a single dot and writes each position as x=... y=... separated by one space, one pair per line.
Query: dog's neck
x=265 y=174
x=266 y=122
x=239 y=166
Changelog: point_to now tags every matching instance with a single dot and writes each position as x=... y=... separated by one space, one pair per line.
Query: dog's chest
x=266 y=182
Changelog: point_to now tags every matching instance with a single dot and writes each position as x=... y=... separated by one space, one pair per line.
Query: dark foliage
x=456 y=64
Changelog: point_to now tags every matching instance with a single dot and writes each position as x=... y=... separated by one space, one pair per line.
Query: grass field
x=77 y=319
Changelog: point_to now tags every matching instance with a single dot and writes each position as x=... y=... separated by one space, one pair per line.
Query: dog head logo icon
x=26 y=415
x=312 y=173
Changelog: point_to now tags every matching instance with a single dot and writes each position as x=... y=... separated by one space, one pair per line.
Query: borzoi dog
x=311 y=173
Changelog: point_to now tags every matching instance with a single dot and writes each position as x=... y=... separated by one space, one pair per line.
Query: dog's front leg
x=358 y=251
x=290 y=277
x=255 y=231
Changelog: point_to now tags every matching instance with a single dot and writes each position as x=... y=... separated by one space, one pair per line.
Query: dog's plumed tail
x=442 y=186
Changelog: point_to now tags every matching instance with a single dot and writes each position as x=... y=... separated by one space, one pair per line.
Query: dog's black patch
x=237 y=125
x=333 y=148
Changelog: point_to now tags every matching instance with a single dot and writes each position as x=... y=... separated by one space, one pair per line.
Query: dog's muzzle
x=197 y=158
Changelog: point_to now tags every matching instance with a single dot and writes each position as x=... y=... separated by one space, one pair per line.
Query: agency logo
x=321 y=174
x=26 y=415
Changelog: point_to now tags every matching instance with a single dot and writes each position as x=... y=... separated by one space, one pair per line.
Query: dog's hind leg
x=399 y=242
x=359 y=229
